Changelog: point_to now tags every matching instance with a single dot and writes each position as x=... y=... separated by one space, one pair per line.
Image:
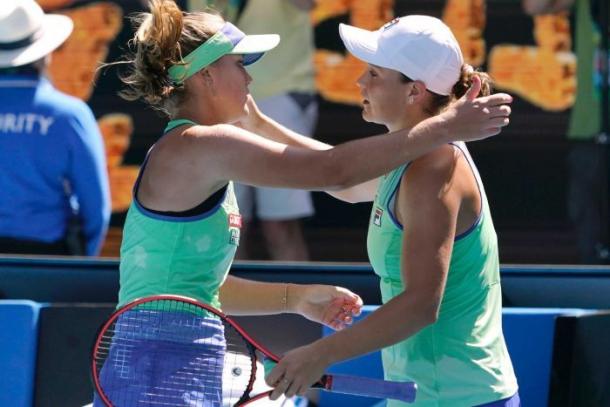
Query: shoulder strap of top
x=177 y=122
x=170 y=126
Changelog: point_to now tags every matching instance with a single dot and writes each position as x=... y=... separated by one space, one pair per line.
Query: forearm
x=365 y=159
x=272 y=130
x=239 y=296
x=393 y=322
x=273 y=164
x=276 y=132
x=364 y=192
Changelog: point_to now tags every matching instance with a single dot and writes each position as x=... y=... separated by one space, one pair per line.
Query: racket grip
x=268 y=364
x=376 y=388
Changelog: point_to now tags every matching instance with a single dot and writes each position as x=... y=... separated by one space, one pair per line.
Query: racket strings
x=239 y=366
x=171 y=353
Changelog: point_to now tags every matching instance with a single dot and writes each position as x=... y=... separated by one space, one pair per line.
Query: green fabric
x=461 y=360
x=585 y=119
x=177 y=122
x=205 y=54
x=289 y=67
x=182 y=256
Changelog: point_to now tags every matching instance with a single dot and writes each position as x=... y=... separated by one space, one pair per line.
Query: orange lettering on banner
x=73 y=65
x=336 y=73
x=117 y=129
x=466 y=18
x=544 y=75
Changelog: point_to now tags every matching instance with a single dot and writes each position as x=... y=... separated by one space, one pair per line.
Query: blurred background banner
x=524 y=168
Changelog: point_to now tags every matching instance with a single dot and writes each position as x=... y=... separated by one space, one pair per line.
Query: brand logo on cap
x=390 y=24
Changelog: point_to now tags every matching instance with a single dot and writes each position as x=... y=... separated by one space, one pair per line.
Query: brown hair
x=163 y=37
x=440 y=102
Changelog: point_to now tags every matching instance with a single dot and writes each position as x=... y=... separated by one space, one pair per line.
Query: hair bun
x=467 y=70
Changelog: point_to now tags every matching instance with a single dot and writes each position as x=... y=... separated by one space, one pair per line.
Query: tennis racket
x=176 y=351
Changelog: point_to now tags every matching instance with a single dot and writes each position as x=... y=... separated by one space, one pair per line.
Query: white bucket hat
x=421 y=47
x=27 y=34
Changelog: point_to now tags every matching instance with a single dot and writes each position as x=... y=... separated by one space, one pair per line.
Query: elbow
x=354 y=197
x=351 y=199
x=429 y=313
x=431 y=317
x=425 y=310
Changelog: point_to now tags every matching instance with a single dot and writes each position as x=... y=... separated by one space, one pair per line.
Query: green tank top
x=462 y=359
x=188 y=256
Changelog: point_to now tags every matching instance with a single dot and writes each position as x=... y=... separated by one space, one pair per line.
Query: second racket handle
x=376 y=388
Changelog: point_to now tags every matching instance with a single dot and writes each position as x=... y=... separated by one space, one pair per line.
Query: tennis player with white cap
x=51 y=150
x=431 y=239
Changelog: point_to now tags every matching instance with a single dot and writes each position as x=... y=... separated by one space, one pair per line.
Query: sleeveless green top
x=462 y=359
x=188 y=256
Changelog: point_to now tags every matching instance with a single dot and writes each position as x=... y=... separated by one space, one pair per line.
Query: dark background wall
x=523 y=169
x=76 y=295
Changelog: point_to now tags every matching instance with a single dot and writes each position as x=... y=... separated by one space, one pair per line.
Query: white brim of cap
x=256 y=44
x=57 y=29
x=362 y=44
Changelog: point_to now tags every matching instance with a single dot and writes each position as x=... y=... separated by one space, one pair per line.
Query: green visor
x=228 y=40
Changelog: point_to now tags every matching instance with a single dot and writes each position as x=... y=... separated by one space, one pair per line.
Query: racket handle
x=268 y=364
x=376 y=388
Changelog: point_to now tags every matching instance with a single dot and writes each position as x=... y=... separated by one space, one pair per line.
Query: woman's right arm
x=225 y=152
x=259 y=123
x=221 y=153
x=451 y=122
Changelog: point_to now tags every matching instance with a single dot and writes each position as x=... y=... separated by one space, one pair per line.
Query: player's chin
x=371 y=117
x=367 y=116
x=244 y=105
x=241 y=112
x=235 y=118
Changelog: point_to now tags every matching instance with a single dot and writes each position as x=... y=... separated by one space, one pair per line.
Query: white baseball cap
x=421 y=47
x=27 y=34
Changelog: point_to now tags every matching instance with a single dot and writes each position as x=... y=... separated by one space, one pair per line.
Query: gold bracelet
x=285 y=298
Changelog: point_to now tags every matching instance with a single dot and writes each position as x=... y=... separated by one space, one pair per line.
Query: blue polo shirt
x=52 y=161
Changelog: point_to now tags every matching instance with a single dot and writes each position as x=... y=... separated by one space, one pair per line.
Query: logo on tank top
x=234 y=237
x=377 y=217
x=234 y=220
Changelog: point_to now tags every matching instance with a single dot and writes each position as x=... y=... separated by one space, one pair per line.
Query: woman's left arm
x=429 y=204
x=329 y=305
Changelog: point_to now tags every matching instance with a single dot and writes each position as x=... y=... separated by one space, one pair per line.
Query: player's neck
x=207 y=116
x=404 y=122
